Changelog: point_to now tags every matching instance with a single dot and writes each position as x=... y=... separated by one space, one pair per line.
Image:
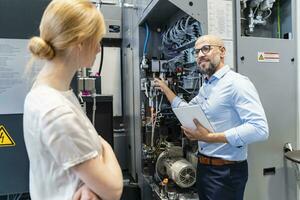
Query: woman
x=65 y=152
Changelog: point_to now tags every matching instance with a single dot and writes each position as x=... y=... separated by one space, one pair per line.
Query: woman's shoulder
x=44 y=98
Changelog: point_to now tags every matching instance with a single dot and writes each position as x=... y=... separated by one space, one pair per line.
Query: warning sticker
x=5 y=139
x=270 y=57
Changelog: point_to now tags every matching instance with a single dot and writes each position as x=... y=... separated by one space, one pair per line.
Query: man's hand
x=165 y=89
x=84 y=193
x=201 y=133
x=161 y=84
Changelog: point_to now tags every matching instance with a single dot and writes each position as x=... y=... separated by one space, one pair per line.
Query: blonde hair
x=66 y=23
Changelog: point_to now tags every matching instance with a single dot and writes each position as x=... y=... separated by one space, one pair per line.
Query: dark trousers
x=226 y=182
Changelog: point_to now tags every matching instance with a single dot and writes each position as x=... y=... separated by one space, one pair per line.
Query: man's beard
x=208 y=71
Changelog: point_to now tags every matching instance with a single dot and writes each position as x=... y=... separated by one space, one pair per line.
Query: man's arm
x=174 y=100
x=246 y=103
x=200 y=133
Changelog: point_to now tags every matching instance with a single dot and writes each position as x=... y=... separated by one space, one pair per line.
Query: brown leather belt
x=216 y=161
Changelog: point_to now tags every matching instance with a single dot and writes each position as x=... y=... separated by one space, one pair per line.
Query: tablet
x=186 y=115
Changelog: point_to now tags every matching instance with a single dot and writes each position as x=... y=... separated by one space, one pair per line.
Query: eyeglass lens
x=205 y=49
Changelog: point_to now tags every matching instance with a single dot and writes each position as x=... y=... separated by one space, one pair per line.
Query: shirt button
x=205 y=98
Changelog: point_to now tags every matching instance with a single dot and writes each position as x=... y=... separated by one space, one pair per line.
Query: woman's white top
x=58 y=135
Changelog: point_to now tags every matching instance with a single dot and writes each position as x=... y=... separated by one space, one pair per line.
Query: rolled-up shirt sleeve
x=178 y=102
x=254 y=125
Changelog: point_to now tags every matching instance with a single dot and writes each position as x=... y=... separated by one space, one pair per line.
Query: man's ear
x=223 y=52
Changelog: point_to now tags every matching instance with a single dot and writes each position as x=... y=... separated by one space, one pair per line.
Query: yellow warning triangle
x=5 y=139
x=261 y=57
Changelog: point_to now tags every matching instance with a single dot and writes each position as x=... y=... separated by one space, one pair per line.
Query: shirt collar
x=218 y=74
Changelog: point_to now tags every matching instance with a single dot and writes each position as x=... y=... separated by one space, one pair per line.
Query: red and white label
x=270 y=57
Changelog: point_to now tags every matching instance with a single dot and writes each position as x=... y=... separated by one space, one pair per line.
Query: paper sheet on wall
x=229 y=58
x=220 y=22
x=220 y=18
x=13 y=85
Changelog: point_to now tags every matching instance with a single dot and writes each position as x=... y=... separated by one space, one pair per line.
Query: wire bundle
x=185 y=30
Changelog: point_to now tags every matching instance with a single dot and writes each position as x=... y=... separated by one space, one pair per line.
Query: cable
x=270 y=12
x=156 y=102
x=82 y=103
x=184 y=89
x=182 y=32
x=152 y=128
x=159 y=107
x=80 y=97
x=94 y=108
x=146 y=39
x=146 y=89
x=256 y=9
x=20 y=195
x=101 y=61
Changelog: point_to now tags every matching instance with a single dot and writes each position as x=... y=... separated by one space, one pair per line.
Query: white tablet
x=186 y=115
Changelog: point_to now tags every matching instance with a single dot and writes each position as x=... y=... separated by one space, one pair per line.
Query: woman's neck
x=57 y=74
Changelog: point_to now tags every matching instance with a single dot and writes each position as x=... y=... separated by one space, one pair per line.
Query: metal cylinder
x=181 y=172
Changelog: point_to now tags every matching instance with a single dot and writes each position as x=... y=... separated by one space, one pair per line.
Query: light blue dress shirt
x=232 y=105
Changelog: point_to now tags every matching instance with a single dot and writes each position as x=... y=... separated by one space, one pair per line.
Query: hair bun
x=40 y=48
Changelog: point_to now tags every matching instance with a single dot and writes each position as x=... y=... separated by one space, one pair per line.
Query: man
x=232 y=105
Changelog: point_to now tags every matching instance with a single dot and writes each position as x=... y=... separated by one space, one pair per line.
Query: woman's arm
x=85 y=193
x=102 y=174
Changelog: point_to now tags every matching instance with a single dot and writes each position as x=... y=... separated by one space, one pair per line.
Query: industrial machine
x=162 y=159
x=155 y=39
x=266 y=49
x=158 y=41
x=159 y=125
x=257 y=12
x=171 y=58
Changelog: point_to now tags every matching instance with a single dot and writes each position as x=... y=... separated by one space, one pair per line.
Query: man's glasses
x=205 y=50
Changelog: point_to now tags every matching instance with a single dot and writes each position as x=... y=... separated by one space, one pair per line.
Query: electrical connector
x=144 y=63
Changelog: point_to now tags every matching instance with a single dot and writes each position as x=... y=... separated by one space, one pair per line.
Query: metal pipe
x=278 y=20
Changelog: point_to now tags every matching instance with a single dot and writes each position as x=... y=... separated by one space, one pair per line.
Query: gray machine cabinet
x=131 y=88
x=14 y=165
x=113 y=18
x=276 y=84
x=155 y=13
x=17 y=23
x=128 y=92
